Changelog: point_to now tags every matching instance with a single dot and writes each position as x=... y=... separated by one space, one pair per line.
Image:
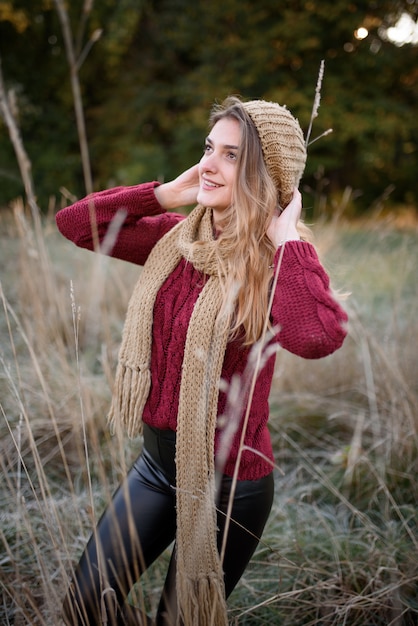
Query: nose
x=209 y=162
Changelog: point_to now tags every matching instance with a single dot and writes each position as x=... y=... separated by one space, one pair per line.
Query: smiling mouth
x=210 y=184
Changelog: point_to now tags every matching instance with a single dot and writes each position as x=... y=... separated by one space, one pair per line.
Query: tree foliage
x=151 y=78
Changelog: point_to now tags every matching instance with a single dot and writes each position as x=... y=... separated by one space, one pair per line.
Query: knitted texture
x=200 y=587
x=311 y=322
x=282 y=144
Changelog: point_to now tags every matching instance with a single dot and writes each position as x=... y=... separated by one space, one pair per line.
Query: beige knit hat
x=282 y=143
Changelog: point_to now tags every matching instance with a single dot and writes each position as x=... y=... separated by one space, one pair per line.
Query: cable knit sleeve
x=142 y=221
x=311 y=323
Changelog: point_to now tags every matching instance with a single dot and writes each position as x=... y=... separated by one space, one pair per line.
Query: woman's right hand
x=182 y=191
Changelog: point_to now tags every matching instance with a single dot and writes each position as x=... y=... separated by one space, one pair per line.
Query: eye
x=232 y=156
x=207 y=148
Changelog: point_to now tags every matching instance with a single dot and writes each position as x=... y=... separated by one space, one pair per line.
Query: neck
x=217 y=219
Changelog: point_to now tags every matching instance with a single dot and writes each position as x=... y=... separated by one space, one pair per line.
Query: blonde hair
x=250 y=252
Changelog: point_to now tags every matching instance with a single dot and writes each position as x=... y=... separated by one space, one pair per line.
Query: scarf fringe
x=202 y=601
x=129 y=397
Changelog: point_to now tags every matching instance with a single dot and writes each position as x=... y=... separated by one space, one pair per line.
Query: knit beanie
x=282 y=144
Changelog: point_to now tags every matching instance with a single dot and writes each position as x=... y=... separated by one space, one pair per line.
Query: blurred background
x=149 y=71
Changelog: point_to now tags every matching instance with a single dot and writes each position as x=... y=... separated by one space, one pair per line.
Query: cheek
x=232 y=176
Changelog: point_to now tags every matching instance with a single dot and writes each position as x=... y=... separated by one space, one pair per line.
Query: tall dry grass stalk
x=341 y=543
x=52 y=401
x=315 y=108
x=75 y=57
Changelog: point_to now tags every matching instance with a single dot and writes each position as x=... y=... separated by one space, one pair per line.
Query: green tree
x=35 y=68
x=149 y=82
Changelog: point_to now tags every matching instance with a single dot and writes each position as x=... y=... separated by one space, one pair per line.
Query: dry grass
x=341 y=546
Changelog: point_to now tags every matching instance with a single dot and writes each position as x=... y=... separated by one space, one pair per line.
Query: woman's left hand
x=283 y=226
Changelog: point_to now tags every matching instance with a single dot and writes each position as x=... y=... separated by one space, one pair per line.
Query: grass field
x=341 y=545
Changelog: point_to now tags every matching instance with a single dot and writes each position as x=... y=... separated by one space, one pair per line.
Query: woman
x=220 y=290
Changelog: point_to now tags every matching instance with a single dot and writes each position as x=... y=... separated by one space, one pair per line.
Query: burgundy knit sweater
x=311 y=323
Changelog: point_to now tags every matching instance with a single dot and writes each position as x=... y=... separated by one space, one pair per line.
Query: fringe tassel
x=129 y=397
x=202 y=601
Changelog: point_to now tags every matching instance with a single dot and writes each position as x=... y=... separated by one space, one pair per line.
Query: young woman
x=219 y=292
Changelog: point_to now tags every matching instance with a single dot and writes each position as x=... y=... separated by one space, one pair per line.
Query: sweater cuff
x=147 y=199
x=302 y=251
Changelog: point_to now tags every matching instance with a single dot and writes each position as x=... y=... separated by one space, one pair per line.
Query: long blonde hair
x=243 y=234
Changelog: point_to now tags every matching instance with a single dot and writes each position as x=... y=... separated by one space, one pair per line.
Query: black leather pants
x=140 y=523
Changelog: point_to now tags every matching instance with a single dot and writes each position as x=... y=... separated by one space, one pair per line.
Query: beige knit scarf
x=200 y=588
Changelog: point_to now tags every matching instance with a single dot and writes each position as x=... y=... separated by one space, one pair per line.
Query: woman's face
x=218 y=166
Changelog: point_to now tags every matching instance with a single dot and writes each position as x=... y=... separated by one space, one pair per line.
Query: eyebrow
x=227 y=146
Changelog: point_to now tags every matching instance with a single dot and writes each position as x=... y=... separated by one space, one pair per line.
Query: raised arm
x=311 y=322
x=138 y=219
x=138 y=214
